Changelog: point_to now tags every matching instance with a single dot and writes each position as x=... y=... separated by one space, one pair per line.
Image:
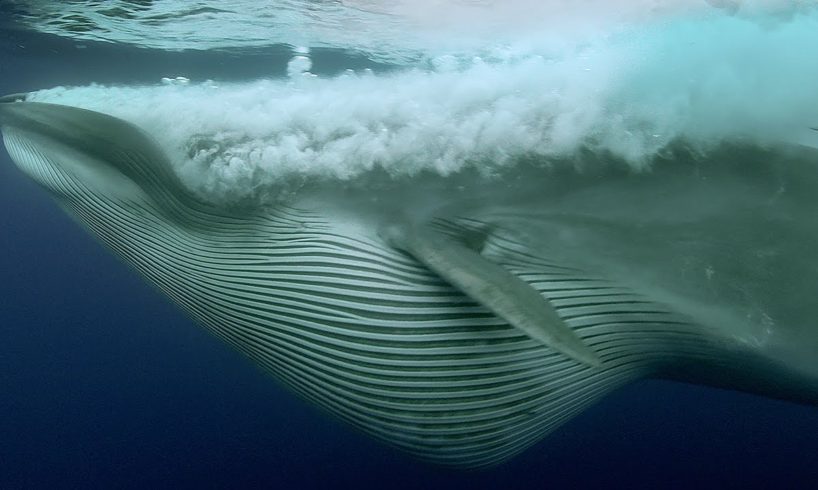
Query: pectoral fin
x=508 y=296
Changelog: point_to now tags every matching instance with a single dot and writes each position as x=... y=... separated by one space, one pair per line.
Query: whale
x=463 y=318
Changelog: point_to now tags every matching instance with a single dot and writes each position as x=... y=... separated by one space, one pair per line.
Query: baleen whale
x=464 y=318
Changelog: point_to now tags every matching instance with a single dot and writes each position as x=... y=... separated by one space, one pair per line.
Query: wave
x=395 y=31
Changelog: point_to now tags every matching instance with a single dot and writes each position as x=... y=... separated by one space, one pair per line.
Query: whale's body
x=399 y=308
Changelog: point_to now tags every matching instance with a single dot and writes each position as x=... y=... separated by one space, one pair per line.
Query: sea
x=105 y=384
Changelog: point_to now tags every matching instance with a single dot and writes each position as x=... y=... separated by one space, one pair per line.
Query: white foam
x=702 y=79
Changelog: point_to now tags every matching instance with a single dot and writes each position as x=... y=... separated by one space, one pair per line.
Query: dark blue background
x=103 y=384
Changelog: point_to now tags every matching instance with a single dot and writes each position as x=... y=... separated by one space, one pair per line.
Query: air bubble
x=298 y=66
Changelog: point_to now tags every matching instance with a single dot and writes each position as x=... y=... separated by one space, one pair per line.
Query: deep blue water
x=104 y=384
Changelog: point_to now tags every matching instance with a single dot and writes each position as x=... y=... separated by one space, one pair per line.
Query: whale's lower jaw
x=373 y=336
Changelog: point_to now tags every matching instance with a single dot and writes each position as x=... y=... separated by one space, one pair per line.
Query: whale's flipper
x=505 y=294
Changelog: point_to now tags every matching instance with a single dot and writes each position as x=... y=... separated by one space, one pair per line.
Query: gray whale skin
x=463 y=318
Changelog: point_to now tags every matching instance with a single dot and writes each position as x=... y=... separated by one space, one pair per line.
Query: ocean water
x=106 y=385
